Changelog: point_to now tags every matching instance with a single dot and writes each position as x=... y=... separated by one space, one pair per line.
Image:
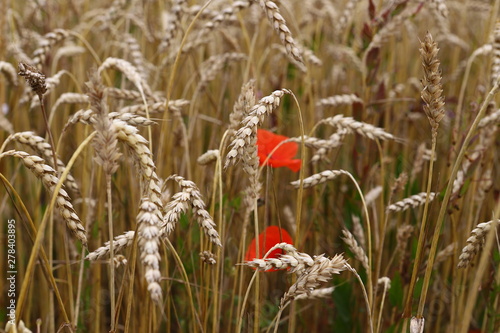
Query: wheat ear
x=475 y=242
x=190 y=195
x=411 y=202
x=149 y=220
x=363 y=129
x=49 y=179
x=42 y=147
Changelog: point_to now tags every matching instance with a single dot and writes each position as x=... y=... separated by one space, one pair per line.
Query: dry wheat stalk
x=402 y=236
x=399 y=183
x=319 y=178
x=343 y=53
x=208 y=157
x=373 y=194
x=411 y=202
x=432 y=90
x=208 y=257
x=49 y=179
x=227 y=14
x=316 y=293
x=418 y=161
x=119 y=243
x=213 y=65
x=442 y=255
x=70 y=98
x=48 y=41
x=149 y=221
x=105 y=142
x=43 y=148
x=495 y=66
x=190 y=195
x=281 y=49
x=321 y=271
x=357 y=250
x=358 y=231
x=279 y=25
x=88 y=117
x=486 y=138
x=50 y=84
x=441 y=7
x=389 y=29
x=139 y=147
x=67 y=51
x=137 y=57
x=484 y=185
x=174 y=106
x=245 y=101
x=347 y=15
x=5 y=124
x=9 y=71
x=294 y=261
x=130 y=72
x=34 y=77
x=172 y=25
x=475 y=242
x=417 y=325
x=364 y=129
x=21 y=327
x=245 y=136
x=339 y=100
x=126 y=94
x=334 y=141
x=312 y=142
x=289 y=218
x=491 y=119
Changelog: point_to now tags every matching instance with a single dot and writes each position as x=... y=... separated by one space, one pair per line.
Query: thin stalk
x=111 y=251
x=442 y=211
x=130 y=299
x=421 y=237
x=367 y=301
x=257 y=277
x=369 y=235
x=171 y=85
x=41 y=231
x=31 y=233
x=474 y=289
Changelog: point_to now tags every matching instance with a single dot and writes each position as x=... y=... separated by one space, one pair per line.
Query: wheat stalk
x=319 y=178
x=245 y=137
x=44 y=149
x=411 y=202
x=475 y=242
x=279 y=25
x=119 y=243
x=363 y=129
x=189 y=196
x=339 y=100
x=357 y=250
x=149 y=221
x=49 y=179
x=9 y=71
x=321 y=271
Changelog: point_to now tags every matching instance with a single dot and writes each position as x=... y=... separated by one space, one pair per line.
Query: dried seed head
x=34 y=77
x=432 y=90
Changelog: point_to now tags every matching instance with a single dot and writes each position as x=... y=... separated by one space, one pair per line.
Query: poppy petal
x=282 y=157
x=267 y=239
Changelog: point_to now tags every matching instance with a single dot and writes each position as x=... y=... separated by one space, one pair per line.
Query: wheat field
x=249 y=166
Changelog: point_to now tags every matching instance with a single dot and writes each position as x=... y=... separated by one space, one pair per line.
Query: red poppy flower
x=267 y=239
x=283 y=156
